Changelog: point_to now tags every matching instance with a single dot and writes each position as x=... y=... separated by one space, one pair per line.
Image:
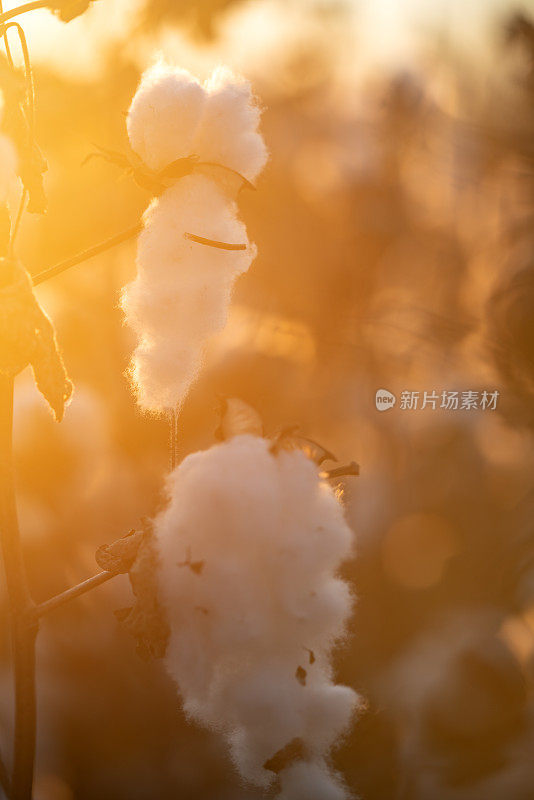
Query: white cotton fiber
x=181 y=295
x=249 y=546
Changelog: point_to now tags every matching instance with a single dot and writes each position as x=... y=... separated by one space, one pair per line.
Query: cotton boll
x=252 y=608
x=183 y=288
x=306 y=781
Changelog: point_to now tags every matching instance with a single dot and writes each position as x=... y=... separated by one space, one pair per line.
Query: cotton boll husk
x=265 y=595
x=306 y=781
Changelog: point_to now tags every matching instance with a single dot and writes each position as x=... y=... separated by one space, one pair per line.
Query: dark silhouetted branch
x=23 y=621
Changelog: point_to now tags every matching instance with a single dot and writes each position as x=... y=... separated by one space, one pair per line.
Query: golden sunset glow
x=266 y=400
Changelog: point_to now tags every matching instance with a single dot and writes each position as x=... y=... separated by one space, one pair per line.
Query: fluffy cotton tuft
x=249 y=545
x=181 y=295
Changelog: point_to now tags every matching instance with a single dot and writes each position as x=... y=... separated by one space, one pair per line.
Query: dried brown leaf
x=27 y=336
x=119 y=556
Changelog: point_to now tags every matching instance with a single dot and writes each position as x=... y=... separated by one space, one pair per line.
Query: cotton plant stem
x=23 y=622
x=113 y=241
x=76 y=591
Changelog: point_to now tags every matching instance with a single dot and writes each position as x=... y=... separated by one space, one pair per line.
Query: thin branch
x=57 y=269
x=15 y=12
x=113 y=241
x=23 y=623
x=69 y=594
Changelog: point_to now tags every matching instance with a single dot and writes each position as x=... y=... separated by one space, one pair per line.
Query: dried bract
x=27 y=336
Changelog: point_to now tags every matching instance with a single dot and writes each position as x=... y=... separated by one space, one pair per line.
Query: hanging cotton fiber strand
x=249 y=546
x=200 y=143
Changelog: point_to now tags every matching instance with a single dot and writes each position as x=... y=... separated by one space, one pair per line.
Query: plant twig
x=75 y=591
x=15 y=12
x=23 y=623
x=51 y=272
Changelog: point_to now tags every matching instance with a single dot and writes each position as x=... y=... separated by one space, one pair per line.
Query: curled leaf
x=27 y=336
x=119 y=556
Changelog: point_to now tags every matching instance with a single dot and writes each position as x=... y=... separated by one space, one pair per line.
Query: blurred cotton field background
x=395 y=250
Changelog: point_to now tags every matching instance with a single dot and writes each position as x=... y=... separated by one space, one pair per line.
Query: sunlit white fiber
x=250 y=543
x=182 y=291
